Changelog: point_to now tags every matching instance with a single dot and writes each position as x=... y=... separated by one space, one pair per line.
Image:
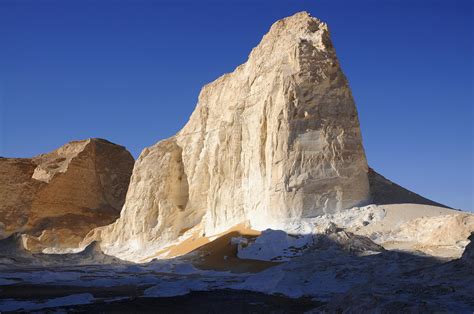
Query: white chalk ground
x=274 y=245
x=353 y=217
x=433 y=230
x=314 y=268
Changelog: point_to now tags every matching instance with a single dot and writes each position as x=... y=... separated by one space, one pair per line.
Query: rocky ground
x=342 y=266
x=217 y=301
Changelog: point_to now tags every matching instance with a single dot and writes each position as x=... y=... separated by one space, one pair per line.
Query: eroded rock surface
x=14 y=255
x=55 y=199
x=279 y=137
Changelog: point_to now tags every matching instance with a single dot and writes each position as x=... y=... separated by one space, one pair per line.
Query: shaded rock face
x=384 y=191
x=277 y=138
x=13 y=254
x=468 y=255
x=56 y=198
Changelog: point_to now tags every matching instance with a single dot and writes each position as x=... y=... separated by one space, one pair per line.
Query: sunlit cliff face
x=276 y=139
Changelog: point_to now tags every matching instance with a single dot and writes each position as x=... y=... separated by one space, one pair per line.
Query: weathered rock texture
x=58 y=197
x=277 y=138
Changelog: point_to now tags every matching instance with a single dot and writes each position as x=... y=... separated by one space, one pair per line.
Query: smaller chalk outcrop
x=14 y=254
x=55 y=199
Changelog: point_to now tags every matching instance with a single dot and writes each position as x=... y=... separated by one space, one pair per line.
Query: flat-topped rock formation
x=55 y=199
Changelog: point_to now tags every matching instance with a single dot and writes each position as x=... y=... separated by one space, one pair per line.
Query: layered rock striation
x=276 y=139
x=55 y=199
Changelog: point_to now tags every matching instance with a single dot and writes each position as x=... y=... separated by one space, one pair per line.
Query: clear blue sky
x=130 y=71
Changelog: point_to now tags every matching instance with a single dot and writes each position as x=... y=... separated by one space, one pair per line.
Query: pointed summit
x=276 y=139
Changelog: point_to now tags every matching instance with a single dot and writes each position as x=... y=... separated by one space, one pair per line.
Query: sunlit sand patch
x=217 y=252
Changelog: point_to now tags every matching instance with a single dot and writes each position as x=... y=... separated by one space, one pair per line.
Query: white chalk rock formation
x=277 y=138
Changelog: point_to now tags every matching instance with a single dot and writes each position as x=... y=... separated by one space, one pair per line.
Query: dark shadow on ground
x=225 y=301
x=394 y=281
x=220 y=255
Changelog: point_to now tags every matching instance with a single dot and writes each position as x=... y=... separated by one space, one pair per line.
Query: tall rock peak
x=275 y=140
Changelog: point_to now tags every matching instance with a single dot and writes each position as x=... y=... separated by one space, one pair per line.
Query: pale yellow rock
x=433 y=230
x=277 y=138
x=443 y=236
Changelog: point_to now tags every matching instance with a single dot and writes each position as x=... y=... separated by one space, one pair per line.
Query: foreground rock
x=338 y=272
x=279 y=137
x=14 y=256
x=55 y=199
x=436 y=231
x=432 y=287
